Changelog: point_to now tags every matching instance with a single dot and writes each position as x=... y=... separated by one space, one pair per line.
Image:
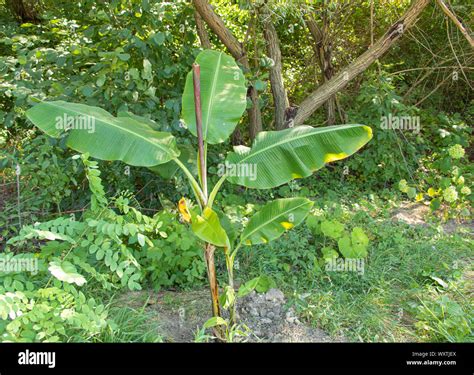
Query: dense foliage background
x=133 y=55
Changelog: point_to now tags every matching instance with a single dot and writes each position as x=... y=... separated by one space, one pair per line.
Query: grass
x=416 y=286
x=130 y=325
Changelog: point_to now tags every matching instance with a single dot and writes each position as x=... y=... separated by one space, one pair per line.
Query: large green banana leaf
x=208 y=228
x=104 y=136
x=274 y=219
x=187 y=156
x=280 y=156
x=154 y=125
x=223 y=96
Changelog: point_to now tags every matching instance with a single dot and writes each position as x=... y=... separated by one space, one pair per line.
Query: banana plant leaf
x=208 y=228
x=274 y=219
x=281 y=156
x=103 y=136
x=223 y=96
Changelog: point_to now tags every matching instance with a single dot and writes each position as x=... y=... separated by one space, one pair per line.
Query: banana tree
x=213 y=102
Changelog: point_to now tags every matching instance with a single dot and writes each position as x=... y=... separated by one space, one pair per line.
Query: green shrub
x=445 y=183
x=444 y=320
x=104 y=248
x=56 y=313
x=175 y=259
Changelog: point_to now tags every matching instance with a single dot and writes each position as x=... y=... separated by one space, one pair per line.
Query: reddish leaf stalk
x=209 y=249
x=198 y=111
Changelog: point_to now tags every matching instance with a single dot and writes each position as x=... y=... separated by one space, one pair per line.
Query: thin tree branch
x=456 y=21
x=338 y=82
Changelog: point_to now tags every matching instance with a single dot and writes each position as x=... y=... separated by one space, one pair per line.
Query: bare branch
x=456 y=21
x=338 y=82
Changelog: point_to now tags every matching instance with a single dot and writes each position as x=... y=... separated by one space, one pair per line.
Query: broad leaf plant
x=214 y=100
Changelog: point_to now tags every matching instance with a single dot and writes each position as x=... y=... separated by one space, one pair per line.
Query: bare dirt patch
x=411 y=213
x=178 y=315
x=418 y=214
x=271 y=320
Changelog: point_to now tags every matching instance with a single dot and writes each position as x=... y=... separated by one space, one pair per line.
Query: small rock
x=275 y=295
x=292 y=320
x=254 y=312
x=266 y=321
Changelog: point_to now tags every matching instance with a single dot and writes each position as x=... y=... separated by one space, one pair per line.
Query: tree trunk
x=328 y=72
x=238 y=52
x=323 y=50
x=338 y=82
x=280 y=99
x=218 y=27
x=331 y=110
x=25 y=10
x=201 y=31
x=255 y=116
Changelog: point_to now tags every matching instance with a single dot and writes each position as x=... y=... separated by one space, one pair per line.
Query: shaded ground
x=418 y=213
x=179 y=315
